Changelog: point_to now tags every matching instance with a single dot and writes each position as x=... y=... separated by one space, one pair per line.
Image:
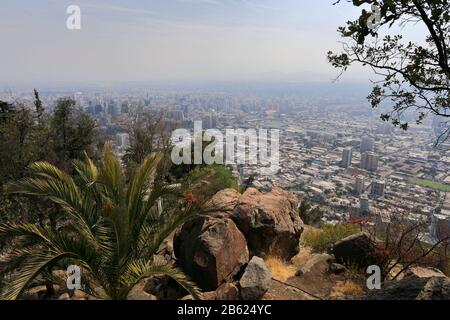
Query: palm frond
x=153 y=238
x=87 y=170
x=11 y=230
x=111 y=176
x=34 y=266
x=141 y=182
x=88 y=175
x=141 y=269
x=61 y=189
x=15 y=259
x=140 y=187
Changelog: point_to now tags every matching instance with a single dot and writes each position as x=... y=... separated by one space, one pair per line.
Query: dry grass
x=300 y=259
x=280 y=269
x=320 y=239
x=347 y=288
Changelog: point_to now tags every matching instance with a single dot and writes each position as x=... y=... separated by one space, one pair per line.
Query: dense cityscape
x=332 y=151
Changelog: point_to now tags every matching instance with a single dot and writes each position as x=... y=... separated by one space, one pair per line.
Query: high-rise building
x=382 y=222
x=347 y=156
x=364 y=206
x=113 y=108
x=369 y=161
x=98 y=109
x=360 y=185
x=440 y=226
x=210 y=121
x=125 y=108
x=377 y=188
x=123 y=140
x=177 y=115
x=367 y=144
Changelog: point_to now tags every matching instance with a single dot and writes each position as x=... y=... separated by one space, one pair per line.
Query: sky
x=140 y=40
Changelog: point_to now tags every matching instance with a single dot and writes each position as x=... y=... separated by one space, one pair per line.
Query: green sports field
x=431 y=184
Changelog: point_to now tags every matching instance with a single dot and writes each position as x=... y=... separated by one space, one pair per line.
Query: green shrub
x=320 y=239
x=212 y=179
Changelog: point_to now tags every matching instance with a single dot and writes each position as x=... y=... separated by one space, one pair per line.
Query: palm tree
x=115 y=229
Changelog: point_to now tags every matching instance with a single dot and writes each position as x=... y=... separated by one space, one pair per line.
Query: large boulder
x=138 y=293
x=356 y=250
x=211 y=250
x=270 y=222
x=422 y=272
x=224 y=202
x=437 y=288
x=414 y=288
x=164 y=288
x=165 y=250
x=405 y=289
x=319 y=262
x=256 y=280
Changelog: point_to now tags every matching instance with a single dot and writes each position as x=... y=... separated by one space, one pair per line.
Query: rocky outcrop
x=437 y=288
x=164 y=288
x=414 y=288
x=224 y=202
x=211 y=250
x=318 y=262
x=138 y=293
x=228 y=292
x=270 y=222
x=421 y=272
x=357 y=250
x=165 y=250
x=337 y=268
x=256 y=280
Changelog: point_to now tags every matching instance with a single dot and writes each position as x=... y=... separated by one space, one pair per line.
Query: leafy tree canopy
x=414 y=76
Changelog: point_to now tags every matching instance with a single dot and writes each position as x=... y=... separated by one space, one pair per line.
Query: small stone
x=256 y=280
x=138 y=293
x=299 y=273
x=227 y=292
x=64 y=296
x=337 y=268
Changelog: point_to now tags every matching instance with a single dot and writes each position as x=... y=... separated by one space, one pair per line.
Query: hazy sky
x=169 y=39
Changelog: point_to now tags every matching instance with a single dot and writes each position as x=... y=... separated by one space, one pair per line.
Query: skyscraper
x=367 y=144
x=360 y=184
x=125 y=108
x=377 y=188
x=113 y=108
x=364 y=206
x=347 y=156
x=123 y=140
x=369 y=161
x=210 y=121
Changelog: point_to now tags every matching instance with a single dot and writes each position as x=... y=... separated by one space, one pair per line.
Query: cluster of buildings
x=352 y=165
x=334 y=152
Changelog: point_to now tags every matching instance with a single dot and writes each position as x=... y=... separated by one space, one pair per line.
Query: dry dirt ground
x=315 y=284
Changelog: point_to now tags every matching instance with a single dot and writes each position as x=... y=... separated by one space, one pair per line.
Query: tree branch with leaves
x=413 y=77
